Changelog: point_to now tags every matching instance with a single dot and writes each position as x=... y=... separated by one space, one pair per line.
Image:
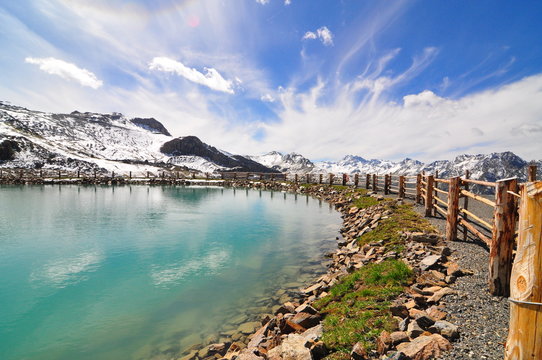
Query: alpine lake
x=143 y=272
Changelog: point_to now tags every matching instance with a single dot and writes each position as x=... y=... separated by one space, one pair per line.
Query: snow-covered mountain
x=112 y=142
x=482 y=167
x=292 y=163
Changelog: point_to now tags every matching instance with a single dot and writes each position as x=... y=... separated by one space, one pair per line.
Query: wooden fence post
x=453 y=208
x=386 y=184
x=532 y=173
x=429 y=195
x=113 y=175
x=356 y=180
x=59 y=173
x=308 y=178
x=502 y=241
x=375 y=182
x=435 y=193
x=320 y=178
x=330 y=179
x=95 y=173
x=344 y=179
x=401 y=187
x=295 y=179
x=367 y=181
x=466 y=205
x=418 y=188
x=525 y=330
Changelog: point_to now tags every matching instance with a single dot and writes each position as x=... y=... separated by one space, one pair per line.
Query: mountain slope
x=112 y=142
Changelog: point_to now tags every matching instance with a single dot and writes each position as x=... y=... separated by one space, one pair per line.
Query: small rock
x=306 y=308
x=306 y=320
x=403 y=325
x=248 y=327
x=425 y=347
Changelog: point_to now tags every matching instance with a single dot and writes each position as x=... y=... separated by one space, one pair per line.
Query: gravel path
x=482 y=318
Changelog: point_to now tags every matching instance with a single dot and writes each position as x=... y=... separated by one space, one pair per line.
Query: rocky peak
x=151 y=124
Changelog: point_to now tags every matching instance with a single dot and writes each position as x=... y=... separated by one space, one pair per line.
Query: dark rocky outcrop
x=151 y=124
x=8 y=148
x=191 y=145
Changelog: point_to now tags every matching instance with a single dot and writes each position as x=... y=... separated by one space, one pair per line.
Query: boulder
x=429 y=262
x=398 y=337
x=399 y=310
x=292 y=348
x=446 y=329
x=424 y=320
x=248 y=354
x=359 y=352
x=440 y=294
x=306 y=320
x=424 y=237
x=425 y=347
x=414 y=330
x=306 y=308
x=383 y=342
x=248 y=327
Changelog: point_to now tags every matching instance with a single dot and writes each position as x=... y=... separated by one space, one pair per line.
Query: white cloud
x=323 y=33
x=267 y=98
x=425 y=126
x=287 y=2
x=263 y=2
x=66 y=70
x=212 y=78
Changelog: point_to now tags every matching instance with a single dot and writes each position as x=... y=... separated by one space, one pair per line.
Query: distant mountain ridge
x=489 y=167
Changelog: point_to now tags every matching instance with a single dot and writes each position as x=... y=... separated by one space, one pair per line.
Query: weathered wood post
x=78 y=173
x=435 y=193
x=308 y=178
x=194 y=175
x=375 y=182
x=418 y=188
x=502 y=241
x=525 y=331
x=466 y=205
x=532 y=173
x=356 y=180
x=320 y=178
x=41 y=174
x=386 y=184
x=295 y=178
x=401 y=187
x=367 y=181
x=148 y=175
x=429 y=195
x=59 y=173
x=330 y=179
x=130 y=175
x=261 y=176
x=344 y=179
x=453 y=208
x=95 y=173
x=112 y=175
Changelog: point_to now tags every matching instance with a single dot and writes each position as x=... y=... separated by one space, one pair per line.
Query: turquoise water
x=135 y=272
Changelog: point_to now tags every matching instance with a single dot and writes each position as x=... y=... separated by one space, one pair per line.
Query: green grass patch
x=403 y=218
x=364 y=202
x=357 y=308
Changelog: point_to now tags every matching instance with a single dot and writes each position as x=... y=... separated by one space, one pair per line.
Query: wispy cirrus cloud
x=66 y=70
x=211 y=78
x=323 y=33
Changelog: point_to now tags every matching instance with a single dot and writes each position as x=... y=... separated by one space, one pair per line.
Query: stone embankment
x=296 y=331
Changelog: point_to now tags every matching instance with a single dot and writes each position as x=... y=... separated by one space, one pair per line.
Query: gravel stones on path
x=483 y=318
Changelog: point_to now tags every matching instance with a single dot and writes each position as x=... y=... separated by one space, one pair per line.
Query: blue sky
x=379 y=79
